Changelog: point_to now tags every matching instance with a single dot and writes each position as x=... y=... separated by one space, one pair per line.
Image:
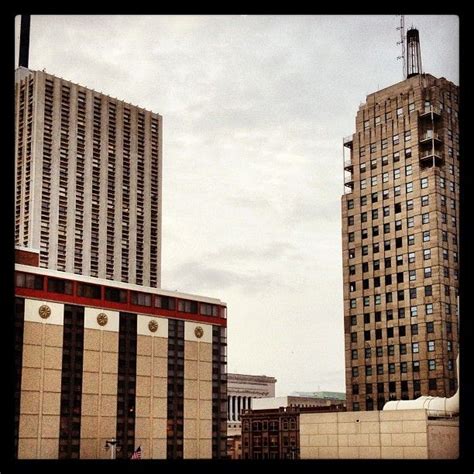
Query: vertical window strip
x=125 y=245
x=71 y=383
x=96 y=162
x=219 y=392
x=154 y=203
x=175 y=407
x=126 y=387
x=140 y=199
x=111 y=155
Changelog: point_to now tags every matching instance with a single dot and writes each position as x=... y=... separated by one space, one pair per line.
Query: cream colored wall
x=443 y=439
x=397 y=434
x=152 y=386
x=99 y=384
x=40 y=402
x=197 y=392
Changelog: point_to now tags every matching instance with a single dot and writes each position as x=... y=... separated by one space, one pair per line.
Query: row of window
x=403 y=368
x=402 y=348
x=392 y=386
x=88 y=290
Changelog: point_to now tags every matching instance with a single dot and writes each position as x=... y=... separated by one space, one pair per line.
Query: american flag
x=137 y=454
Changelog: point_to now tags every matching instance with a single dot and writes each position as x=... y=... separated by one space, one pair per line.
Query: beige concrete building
x=100 y=361
x=400 y=228
x=294 y=401
x=399 y=434
x=88 y=171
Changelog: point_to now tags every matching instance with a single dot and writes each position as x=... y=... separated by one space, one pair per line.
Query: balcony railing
x=430 y=135
x=347 y=141
x=434 y=112
x=348 y=164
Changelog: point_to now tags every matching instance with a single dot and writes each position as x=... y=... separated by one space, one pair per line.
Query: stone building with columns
x=241 y=388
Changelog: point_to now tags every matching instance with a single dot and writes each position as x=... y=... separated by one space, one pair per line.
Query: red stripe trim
x=112 y=305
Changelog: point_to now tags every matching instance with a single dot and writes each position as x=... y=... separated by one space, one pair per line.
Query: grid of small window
x=21 y=90
x=154 y=196
x=63 y=177
x=125 y=246
x=79 y=197
x=46 y=179
x=140 y=198
x=96 y=163
x=111 y=156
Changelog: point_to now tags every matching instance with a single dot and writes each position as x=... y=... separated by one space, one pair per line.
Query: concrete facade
x=293 y=401
x=400 y=225
x=88 y=172
x=398 y=434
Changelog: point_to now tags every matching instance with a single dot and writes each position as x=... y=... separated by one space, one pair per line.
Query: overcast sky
x=254 y=111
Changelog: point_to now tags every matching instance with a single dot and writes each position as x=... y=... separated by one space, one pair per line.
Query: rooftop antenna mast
x=401 y=28
x=413 y=52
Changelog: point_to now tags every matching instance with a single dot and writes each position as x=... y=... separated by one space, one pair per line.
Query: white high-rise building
x=88 y=180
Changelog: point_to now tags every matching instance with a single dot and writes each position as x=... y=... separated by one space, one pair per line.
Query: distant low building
x=275 y=433
x=242 y=390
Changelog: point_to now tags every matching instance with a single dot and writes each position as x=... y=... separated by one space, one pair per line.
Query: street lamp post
x=112 y=445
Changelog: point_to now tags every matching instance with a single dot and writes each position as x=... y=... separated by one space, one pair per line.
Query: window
x=403 y=349
x=352 y=269
x=353 y=303
x=396 y=173
x=425 y=200
x=88 y=291
x=414 y=329
x=366 y=123
x=430 y=327
x=388 y=262
x=378 y=299
x=431 y=346
x=428 y=290
x=376 y=264
x=385 y=194
x=386 y=228
x=388 y=115
x=412 y=293
x=431 y=364
x=380 y=370
x=354 y=354
x=402 y=331
x=424 y=183
x=350 y=220
x=363 y=184
x=378 y=334
x=426 y=254
x=367 y=335
x=403 y=367
x=416 y=366
x=429 y=308
x=373 y=164
x=365 y=233
x=365 y=249
x=351 y=236
x=355 y=389
x=142 y=299
x=384 y=160
x=363 y=217
x=389 y=332
x=427 y=272
x=377 y=120
x=208 y=309
x=398 y=241
x=389 y=314
x=351 y=253
x=400 y=277
x=353 y=337
x=165 y=302
x=375 y=214
x=28 y=280
x=432 y=384
x=378 y=316
x=365 y=267
x=396 y=139
x=350 y=204
x=187 y=306
x=413 y=311
x=386 y=211
x=366 y=318
x=412 y=275
x=391 y=369
x=401 y=313
x=411 y=240
x=368 y=370
x=397 y=190
x=450 y=345
x=411 y=107
x=389 y=297
x=407 y=135
x=352 y=286
x=56 y=285
x=409 y=187
x=374 y=197
x=410 y=221
x=367 y=352
x=410 y=205
x=426 y=236
x=355 y=371
x=376 y=282
x=386 y=245
x=399 y=111
x=363 y=200
x=373 y=147
x=407 y=153
x=399 y=260
x=362 y=168
x=411 y=257
x=116 y=294
x=391 y=350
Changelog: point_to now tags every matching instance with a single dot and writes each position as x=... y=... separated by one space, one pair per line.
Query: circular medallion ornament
x=198 y=332
x=102 y=319
x=153 y=326
x=44 y=311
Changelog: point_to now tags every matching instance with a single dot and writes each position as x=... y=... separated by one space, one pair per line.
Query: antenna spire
x=401 y=28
